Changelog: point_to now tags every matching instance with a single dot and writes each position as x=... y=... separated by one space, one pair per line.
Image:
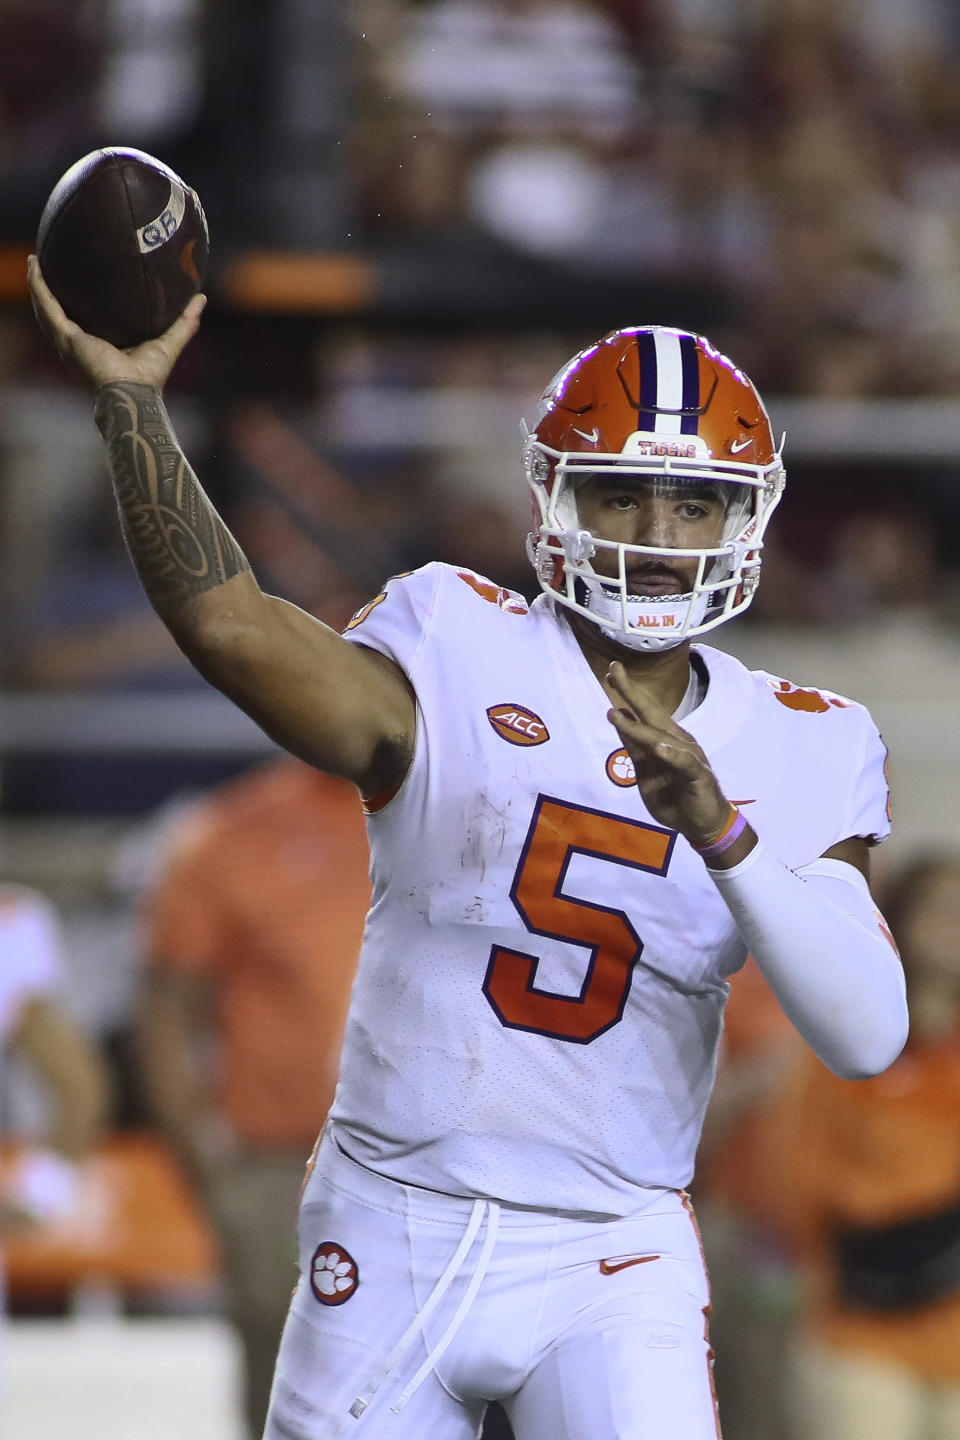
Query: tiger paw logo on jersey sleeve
x=795 y=697
x=496 y=594
x=334 y=1274
x=517 y=724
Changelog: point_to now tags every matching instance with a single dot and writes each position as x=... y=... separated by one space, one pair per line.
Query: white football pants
x=415 y=1309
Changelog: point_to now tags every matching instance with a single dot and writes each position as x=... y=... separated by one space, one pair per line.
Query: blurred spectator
x=49 y=64
x=830 y=162
x=638 y=21
x=252 y=932
x=41 y=1175
x=509 y=111
x=516 y=63
x=432 y=425
x=753 y=1283
x=150 y=87
x=38 y=1031
x=683 y=198
x=906 y=34
x=875 y=566
x=884 y=565
x=869 y=1177
x=87 y=628
x=91 y=627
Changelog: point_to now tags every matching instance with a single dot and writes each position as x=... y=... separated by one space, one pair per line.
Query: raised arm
x=338 y=706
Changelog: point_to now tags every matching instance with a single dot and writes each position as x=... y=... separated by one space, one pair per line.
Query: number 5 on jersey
x=557 y=832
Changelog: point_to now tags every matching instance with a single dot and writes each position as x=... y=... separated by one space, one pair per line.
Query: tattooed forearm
x=178 y=542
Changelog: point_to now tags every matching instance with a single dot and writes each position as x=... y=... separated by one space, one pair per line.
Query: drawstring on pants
x=482 y=1210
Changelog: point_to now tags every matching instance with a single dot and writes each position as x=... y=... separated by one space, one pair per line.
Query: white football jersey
x=541 y=988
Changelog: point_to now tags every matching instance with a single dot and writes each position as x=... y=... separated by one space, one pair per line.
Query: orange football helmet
x=662 y=405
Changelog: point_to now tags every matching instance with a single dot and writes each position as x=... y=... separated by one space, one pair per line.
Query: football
x=123 y=244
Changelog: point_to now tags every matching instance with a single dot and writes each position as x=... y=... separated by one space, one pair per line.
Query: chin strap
x=646 y=614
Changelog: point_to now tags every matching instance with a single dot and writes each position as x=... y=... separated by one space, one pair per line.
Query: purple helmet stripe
x=647 y=347
x=691 y=385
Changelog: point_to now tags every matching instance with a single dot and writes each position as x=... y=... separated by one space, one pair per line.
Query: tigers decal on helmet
x=664 y=405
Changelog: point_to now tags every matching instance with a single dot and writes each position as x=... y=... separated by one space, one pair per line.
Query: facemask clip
x=578 y=546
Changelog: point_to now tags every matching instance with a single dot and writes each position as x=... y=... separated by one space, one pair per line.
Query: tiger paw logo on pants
x=334 y=1274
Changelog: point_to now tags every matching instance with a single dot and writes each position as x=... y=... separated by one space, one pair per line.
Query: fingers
x=678 y=753
x=94 y=360
x=649 y=730
x=51 y=317
x=673 y=775
x=158 y=357
x=642 y=706
x=628 y=722
x=39 y=289
x=185 y=326
x=641 y=703
x=54 y=320
x=97 y=361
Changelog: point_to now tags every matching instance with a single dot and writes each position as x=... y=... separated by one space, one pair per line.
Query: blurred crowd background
x=419 y=210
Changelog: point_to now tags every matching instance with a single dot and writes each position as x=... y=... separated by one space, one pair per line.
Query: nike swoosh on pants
x=615 y=1263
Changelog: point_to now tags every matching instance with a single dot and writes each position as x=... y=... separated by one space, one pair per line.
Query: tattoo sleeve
x=180 y=546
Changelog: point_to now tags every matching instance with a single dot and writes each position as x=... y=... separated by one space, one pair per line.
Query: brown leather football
x=123 y=244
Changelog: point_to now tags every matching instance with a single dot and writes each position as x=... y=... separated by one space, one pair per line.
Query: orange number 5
x=558 y=831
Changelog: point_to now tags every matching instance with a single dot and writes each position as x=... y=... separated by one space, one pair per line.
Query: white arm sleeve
x=823 y=946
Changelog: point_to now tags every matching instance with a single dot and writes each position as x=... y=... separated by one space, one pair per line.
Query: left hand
x=673 y=775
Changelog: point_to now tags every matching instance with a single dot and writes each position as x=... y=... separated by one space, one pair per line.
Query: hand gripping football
x=123 y=245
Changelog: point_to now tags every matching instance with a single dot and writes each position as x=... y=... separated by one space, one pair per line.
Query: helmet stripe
x=690 y=364
x=669 y=382
x=647 y=348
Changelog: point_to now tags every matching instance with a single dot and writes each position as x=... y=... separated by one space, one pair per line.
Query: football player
x=580 y=823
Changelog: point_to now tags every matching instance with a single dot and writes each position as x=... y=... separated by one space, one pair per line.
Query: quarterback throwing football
x=580 y=824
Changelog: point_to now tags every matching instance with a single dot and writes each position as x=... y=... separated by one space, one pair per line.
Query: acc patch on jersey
x=334 y=1274
x=517 y=724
